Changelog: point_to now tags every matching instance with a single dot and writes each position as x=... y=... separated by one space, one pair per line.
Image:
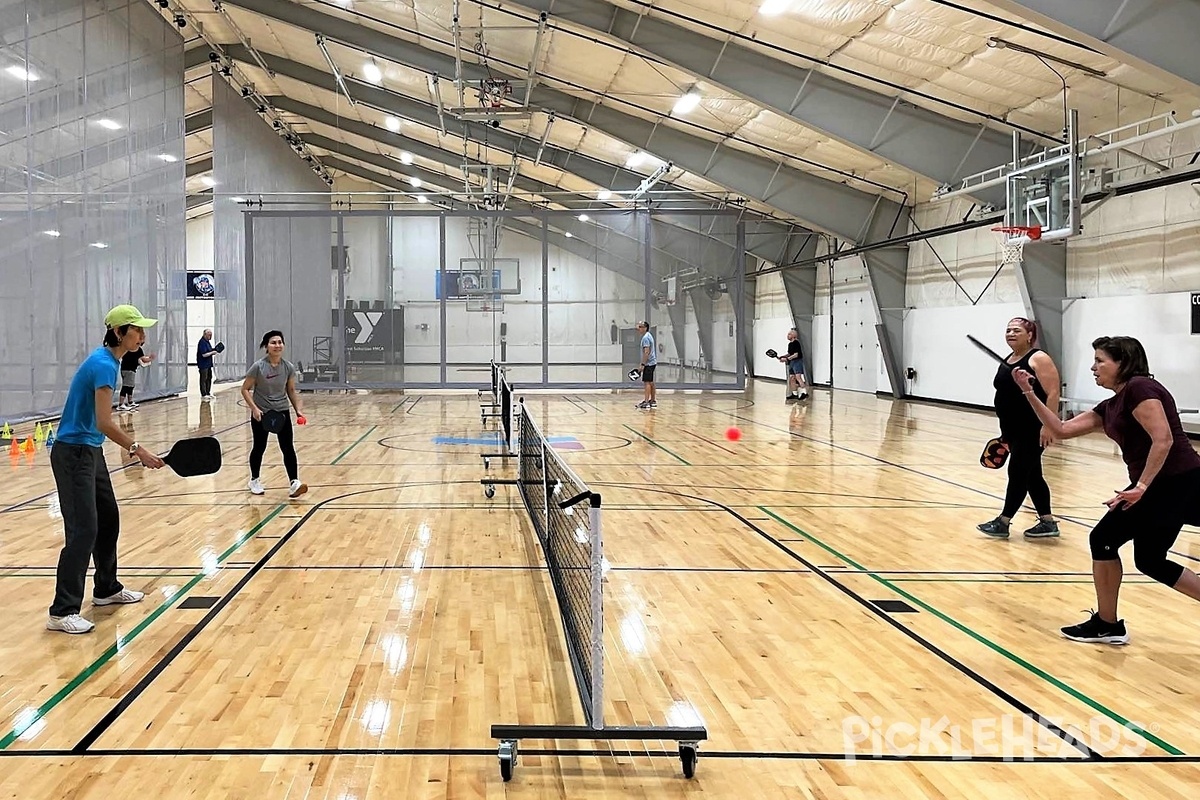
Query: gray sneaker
x=996 y=528
x=1045 y=529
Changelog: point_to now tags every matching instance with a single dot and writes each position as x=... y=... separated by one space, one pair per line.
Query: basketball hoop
x=1014 y=238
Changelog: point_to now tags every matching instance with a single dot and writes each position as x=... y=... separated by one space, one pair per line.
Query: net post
x=597 y=570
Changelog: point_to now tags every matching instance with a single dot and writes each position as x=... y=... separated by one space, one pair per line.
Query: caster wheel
x=687 y=758
x=486 y=463
x=508 y=760
x=489 y=491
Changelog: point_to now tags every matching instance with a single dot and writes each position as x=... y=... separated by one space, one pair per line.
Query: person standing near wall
x=204 y=363
x=129 y=364
x=794 y=361
x=1026 y=436
x=648 y=364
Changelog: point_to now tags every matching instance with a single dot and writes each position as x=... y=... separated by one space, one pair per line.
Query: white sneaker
x=297 y=488
x=72 y=623
x=120 y=598
x=256 y=486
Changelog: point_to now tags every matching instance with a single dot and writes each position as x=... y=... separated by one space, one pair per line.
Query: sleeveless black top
x=1017 y=417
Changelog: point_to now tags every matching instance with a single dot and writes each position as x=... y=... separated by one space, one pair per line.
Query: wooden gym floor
x=815 y=594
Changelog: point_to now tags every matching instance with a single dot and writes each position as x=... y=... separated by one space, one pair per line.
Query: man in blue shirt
x=91 y=519
x=649 y=362
x=204 y=362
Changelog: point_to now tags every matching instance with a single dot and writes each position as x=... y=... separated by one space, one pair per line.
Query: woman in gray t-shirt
x=270 y=386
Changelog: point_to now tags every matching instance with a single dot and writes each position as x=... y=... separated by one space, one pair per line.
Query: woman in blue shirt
x=91 y=519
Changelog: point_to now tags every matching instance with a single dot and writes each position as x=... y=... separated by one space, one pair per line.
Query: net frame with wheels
x=1013 y=239
x=540 y=498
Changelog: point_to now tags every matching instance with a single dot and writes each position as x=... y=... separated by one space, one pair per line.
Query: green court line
x=1046 y=676
x=125 y=640
x=123 y=575
x=656 y=444
x=1015 y=581
x=351 y=447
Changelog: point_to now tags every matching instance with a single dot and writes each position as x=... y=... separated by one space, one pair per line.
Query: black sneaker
x=996 y=528
x=1045 y=529
x=1098 y=631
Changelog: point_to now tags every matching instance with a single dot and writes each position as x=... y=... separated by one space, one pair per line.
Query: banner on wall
x=1196 y=312
x=373 y=337
x=201 y=286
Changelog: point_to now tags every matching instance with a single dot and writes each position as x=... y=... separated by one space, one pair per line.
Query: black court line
x=409 y=410
x=490 y=752
x=1003 y=694
x=133 y=694
x=519 y=568
x=576 y=403
x=586 y=403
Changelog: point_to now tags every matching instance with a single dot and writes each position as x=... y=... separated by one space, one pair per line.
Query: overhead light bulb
x=686 y=103
x=406 y=157
x=773 y=8
x=603 y=194
x=391 y=123
x=20 y=73
x=414 y=182
x=372 y=72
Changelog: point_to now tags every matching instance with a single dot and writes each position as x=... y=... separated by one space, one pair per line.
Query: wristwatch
x=133 y=449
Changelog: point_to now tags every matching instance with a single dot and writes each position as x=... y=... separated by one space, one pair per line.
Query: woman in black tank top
x=1023 y=431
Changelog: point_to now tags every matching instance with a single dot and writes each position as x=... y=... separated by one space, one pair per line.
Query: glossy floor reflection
x=814 y=593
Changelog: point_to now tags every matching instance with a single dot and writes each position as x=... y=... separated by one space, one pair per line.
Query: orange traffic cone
x=14 y=449
x=29 y=445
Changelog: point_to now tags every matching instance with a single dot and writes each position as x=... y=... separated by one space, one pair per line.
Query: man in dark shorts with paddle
x=91 y=519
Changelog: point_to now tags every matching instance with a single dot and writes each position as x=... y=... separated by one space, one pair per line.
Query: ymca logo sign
x=372 y=337
x=367 y=320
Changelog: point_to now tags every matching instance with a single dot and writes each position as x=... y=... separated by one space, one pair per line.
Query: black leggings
x=1025 y=476
x=1152 y=524
x=285 y=446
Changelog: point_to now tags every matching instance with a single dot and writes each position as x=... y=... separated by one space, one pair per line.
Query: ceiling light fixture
x=603 y=194
x=391 y=123
x=109 y=124
x=372 y=72
x=687 y=102
x=414 y=182
x=406 y=157
x=20 y=73
x=996 y=43
x=773 y=8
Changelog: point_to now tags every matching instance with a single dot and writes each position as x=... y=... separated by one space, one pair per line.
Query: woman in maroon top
x=1164 y=476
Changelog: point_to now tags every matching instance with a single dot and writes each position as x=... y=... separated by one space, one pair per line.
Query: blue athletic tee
x=78 y=423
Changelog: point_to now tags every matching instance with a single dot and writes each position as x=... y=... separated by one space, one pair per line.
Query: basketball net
x=1013 y=239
